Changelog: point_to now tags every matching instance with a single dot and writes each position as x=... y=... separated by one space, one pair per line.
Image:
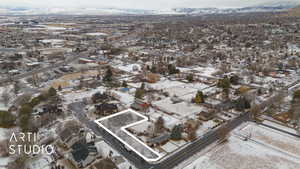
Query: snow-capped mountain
x=277 y=4
x=263 y=7
x=71 y=11
x=294 y=12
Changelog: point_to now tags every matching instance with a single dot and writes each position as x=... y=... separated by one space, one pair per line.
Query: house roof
x=159 y=139
x=106 y=106
x=68 y=132
x=81 y=150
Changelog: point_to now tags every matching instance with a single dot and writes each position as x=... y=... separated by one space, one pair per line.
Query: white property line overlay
x=124 y=129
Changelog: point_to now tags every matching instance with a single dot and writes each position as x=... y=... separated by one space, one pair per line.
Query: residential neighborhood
x=150 y=91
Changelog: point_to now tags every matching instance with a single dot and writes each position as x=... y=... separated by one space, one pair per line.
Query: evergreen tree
x=199 y=97
x=190 y=78
x=143 y=86
x=234 y=80
x=224 y=83
x=124 y=84
x=24 y=116
x=52 y=92
x=176 y=133
x=139 y=93
x=296 y=95
x=108 y=75
x=7 y=119
x=172 y=69
x=242 y=104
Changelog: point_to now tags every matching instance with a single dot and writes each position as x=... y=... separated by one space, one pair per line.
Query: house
x=106 y=108
x=70 y=135
x=152 y=78
x=159 y=139
x=51 y=109
x=82 y=154
x=100 y=97
x=206 y=115
x=139 y=105
x=104 y=164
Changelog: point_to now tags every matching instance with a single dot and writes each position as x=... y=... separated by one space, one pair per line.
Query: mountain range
x=294 y=12
x=264 y=7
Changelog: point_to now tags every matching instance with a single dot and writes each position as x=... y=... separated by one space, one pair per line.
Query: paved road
x=199 y=144
x=168 y=163
x=56 y=65
x=40 y=70
x=78 y=109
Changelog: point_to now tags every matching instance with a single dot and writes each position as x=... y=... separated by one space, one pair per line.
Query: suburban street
x=174 y=159
x=40 y=70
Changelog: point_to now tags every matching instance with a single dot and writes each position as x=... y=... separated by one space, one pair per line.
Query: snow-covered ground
x=5 y=133
x=278 y=140
x=4 y=161
x=182 y=109
x=170 y=121
x=124 y=98
x=164 y=84
x=3 y=107
x=239 y=154
x=43 y=161
x=284 y=128
x=132 y=68
x=104 y=149
x=205 y=127
x=180 y=90
x=202 y=71
x=96 y=34
x=78 y=96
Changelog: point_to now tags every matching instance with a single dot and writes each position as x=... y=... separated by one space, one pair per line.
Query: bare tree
x=295 y=113
x=255 y=110
x=5 y=97
x=223 y=133
x=159 y=125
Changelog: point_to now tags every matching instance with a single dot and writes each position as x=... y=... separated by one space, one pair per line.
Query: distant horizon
x=138 y=4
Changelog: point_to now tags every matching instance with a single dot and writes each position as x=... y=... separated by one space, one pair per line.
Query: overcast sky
x=138 y=4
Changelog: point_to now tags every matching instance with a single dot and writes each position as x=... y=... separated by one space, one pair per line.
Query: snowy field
x=183 y=109
x=125 y=98
x=169 y=121
x=202 y=71
x=78 y=96
x=164 y=84
x=180 y=91
x=287 y=129
x=275 y=139
x=239 y=154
